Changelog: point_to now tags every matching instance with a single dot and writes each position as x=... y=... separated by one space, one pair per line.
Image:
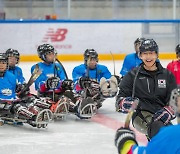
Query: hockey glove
x=124 y=104
x=166 y=114
x=124 y=140
x=84 y=82
x=19 y=87
x=67 y=84
x=21 y=90
x=52 y=82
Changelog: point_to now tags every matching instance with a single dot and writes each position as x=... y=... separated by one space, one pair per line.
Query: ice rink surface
x=71 y=135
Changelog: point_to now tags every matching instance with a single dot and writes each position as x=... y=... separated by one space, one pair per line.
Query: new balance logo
x=55 y=36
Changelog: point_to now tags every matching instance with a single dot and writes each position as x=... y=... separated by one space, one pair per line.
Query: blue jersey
x=17 y=71
x=48 y=70
x=165 y=142
x=97 y=73
x=131 y=61
x=7 y=86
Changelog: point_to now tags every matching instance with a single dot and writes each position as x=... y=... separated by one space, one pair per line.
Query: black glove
x=21 y=90
x=84 y=82
x=123 y=135
x=67 y=84
x=19 y=87
x=52 y=82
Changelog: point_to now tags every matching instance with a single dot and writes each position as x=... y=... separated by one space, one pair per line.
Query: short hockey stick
x=36 y=73
x=130 y=113
x=134 y=105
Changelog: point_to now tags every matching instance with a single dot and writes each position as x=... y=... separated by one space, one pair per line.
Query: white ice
x=71 y=135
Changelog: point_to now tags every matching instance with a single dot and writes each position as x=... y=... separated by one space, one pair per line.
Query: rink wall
x=72 y=38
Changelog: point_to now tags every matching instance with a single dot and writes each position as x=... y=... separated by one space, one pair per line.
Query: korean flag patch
x=161 y=83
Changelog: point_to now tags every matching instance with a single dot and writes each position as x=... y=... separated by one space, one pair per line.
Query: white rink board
x=70 y=38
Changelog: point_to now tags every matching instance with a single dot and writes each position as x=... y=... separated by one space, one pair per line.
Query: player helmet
x=14 y=53
x=3 y=58
x=43 y=50
x=177 y=49
x=149 y=45
x=139 y=40
x=90 y=53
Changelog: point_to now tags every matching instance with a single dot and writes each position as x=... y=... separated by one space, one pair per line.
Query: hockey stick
x=36 y=73
x=130 y=113
x=134 y=105
x=54 y=76
x=87 y=74
x=113 y=63
x=87 y=63
x=62 y=68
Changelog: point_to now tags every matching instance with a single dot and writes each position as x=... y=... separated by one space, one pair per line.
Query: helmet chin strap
x=146 y=67
x=12 y=67
x=47 y=62
x=2 y=73
x=153 y=64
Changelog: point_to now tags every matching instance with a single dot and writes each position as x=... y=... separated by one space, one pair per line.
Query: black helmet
x=90 y=53
x=148 y=45
x=139 y=40
x=14 y=53
x=178 y=49
x=4 y=58
x=43 y=50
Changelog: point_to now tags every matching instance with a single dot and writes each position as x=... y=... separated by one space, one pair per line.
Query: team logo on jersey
x=50 y=75
x=161 y=83
x=6 y=92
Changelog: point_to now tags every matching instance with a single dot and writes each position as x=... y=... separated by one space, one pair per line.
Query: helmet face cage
x=14 y=53
x=45 y=49
x=149 y=45
x=90 y=53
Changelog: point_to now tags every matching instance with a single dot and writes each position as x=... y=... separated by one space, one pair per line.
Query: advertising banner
x=70 y=38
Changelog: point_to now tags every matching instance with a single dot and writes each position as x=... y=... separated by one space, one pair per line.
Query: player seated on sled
x=12 y=108
x=94 y=80
x=54 y=85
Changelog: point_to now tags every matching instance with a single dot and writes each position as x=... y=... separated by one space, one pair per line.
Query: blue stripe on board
x=88 y=21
